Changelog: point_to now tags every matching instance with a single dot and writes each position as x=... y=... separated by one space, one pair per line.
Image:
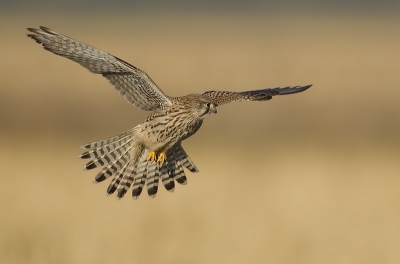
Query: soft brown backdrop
x=307 y=178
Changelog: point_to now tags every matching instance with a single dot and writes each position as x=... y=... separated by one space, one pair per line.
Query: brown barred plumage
x=128 y=157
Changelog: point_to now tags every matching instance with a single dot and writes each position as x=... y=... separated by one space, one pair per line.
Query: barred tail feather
x=102 y=151
x=175 y=169
x=129 y=174
x=112 y=168
x=152 y=179
x=180 y=176
x=141 y=174
x=116 y=180
x=184 y=159
x=167 y=181
x=108 y=158
x=110 y=140
x=127 y=179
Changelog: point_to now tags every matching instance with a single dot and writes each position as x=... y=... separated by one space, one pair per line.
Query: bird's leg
x=152 y=156
x=162 y=158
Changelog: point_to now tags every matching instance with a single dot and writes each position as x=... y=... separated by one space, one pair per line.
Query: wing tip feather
x=290 y=90
x=47 y=30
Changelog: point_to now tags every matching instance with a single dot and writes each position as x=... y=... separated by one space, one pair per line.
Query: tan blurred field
x=307 y=178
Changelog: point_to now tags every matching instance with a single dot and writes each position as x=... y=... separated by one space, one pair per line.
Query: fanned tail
x=126 y=160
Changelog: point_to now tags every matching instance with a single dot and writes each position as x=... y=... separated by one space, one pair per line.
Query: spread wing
x=223 y=97
x=132 y=83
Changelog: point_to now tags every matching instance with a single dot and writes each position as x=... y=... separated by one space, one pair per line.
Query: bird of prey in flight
x=153 y=149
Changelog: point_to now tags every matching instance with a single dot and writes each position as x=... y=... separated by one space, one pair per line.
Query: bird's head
x=200 y=105
x=208 y=107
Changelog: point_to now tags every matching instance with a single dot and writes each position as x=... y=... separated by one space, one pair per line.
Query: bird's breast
x=165 y=129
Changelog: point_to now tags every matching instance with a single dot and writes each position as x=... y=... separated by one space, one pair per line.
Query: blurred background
x=307 y=178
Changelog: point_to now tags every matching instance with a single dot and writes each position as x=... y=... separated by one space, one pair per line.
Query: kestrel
x=153 y=149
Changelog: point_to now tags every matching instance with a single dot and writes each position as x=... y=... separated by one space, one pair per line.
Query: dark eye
x=208 y=105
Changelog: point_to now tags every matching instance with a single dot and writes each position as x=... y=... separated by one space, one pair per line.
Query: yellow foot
x=152 y=157
x=162 y=158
